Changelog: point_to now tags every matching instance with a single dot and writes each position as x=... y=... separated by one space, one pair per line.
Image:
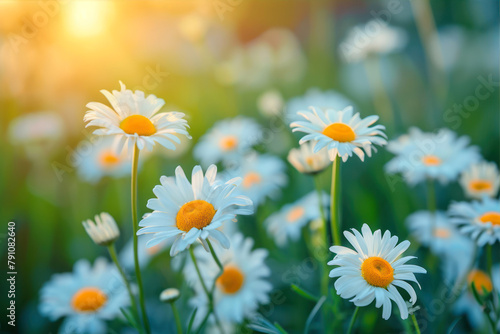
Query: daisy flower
x=144 y=253
x=134 y=120
x=373 y=270
x=100 y=161
x=103 y=230
x=374 y=37
x=479 y=219
x=289 y=221
x=39 y=133
x=227 y=140
x=190 y=211
x=242 y=286
x=466 y=303
x=434 y=230
x=481 y=179
x=341 y=132
x=270 y=103
x=86 y=297
x=315 y=97
x=441 y=156
x=306 y=161
x=263 y=176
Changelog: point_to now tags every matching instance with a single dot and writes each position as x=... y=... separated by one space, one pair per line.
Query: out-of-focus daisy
x=374 y=37
x=306 y=161
x=466 y=303
x=341 y=132
x=103 y=230
x=145 y=254
x=478 y=219
x=86 y=297
x=241 y=287
x=190 y=211
x=270 y=103
x=274 y=57
x=228 y=140
x=328 y=99
x=441 y=156
x=481 y=179
x=374 y=270
x=263 y=176
x=39 y=133
x=134 y=119
x=434 y=230
x=289 y=221
x=101 y=160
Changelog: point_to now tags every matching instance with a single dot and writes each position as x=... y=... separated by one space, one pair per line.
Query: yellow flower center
x=108 y=159
x=480 y=280
x=228 y=143
x=377 y=271
x=310 y=161
x=491 y=217
x=340 y=132
x=88 y=300
x=138 y=124
x=431 y=160
x=295 y=214
x=480 y=185
x=231 y=280
x=442 y=233
x=197 y=213
x=250 y=179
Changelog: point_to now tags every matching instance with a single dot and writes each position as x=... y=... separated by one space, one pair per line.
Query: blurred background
x=213 y=60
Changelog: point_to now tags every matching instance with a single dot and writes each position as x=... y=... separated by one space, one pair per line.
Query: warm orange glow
x=231 y=280
x=88 y=300
x=431 y=160
x=491 y=217
x=251 y=179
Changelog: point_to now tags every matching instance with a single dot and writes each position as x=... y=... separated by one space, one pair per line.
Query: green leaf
x=191 y=320
x=304 y=293
x=313 y=313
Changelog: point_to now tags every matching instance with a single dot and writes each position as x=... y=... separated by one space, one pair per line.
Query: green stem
x=335 y=207
x=489 y=259
x=204 y=286
x=135 y=226
x=415 y=323
x=221 y=267
x=177 y=318
x=324 y=276
x=114 y=257
x=353 y=320
x=431 y=203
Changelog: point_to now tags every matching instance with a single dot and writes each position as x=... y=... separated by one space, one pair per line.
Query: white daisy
x=306 y=161
x=481 y=179
x=478 y=219
x=242 y=286
x=101 y=160
x=341 y=132
x=103 y=231
x=191 y=211
x=287 y=223
x=374 y=270
x=420 y=156
x=86 y=297
x=374 y=37
x=270 y=103
x=228 y=140
x=39 y=133
x=134 y=119
x=434 y=230
x=263 y=176
x=328 y=99
x=145 y=254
